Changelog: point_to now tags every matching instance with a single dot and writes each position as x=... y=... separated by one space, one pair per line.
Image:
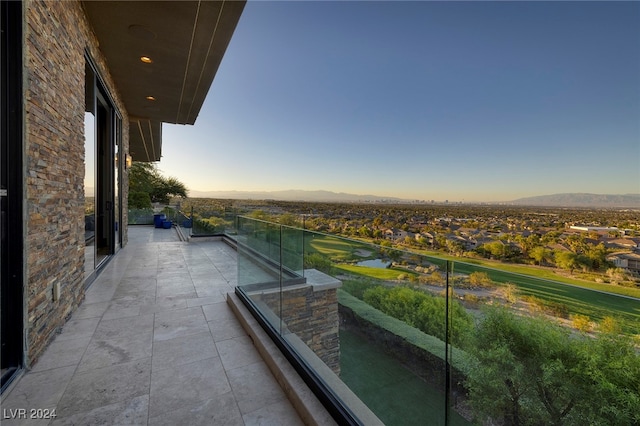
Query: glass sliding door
x=104 y=180
x=103 y=129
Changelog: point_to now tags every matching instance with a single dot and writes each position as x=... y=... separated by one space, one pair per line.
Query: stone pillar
x=310 y=311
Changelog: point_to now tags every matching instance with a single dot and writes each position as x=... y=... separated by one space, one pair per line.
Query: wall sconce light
x=128 y=162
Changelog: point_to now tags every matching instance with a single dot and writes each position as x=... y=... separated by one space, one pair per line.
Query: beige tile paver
x=155 y=343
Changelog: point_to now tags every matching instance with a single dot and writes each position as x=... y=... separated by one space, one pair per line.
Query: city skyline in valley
x=463 y=101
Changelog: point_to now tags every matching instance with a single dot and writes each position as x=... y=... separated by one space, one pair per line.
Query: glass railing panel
x=425 y=340
x=260 y=267
x=292 y=240
x=398 y=331
x=211 y=217
x=140 y=216
x=210 y=222
x=360 y=308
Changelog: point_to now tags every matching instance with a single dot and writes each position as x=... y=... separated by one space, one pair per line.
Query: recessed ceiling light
x=151 y=98
x=146 y=59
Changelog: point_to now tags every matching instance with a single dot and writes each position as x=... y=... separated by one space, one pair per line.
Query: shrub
x=480 y=279
x=610 y=325
x=356 y=288
x=581 y=322
x=317 y=261
x=420 y=310
x=471 y=300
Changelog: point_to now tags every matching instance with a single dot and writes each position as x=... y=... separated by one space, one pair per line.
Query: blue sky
x=465 y=101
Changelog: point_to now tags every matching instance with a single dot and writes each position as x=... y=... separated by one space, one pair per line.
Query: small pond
x=374 y=263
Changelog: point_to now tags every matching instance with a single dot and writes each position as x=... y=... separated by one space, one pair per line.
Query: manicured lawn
x=335 y=248
x=580 y=297
x=378 y=273
x=578 y=300
x=538 y=272
x=392 y=392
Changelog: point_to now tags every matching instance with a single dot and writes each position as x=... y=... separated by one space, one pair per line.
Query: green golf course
x=593 y=300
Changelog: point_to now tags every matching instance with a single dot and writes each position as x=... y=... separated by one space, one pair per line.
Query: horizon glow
x=465 y=101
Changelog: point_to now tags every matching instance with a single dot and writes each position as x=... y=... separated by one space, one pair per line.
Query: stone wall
x=426 y=365
x=311 y=312
x=56 y=35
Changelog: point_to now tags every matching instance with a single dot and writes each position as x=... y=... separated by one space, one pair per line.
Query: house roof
x=624 y=255
x=623 y=242
x=185 y=42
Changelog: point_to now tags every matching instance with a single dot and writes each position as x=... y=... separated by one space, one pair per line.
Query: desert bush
x=420 y=310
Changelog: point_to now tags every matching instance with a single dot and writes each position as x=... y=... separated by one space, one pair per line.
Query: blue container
x=158 y=219
x=166 y=224
x=187 y=223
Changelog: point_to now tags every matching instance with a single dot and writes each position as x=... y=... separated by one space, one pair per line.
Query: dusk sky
x=465 y=101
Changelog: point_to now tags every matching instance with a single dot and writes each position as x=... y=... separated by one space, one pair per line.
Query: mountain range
x=295 y=195
x=554 y=200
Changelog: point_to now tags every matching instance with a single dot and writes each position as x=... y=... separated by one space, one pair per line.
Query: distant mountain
x=294 y=195
x=581 y=200
x=555 y=200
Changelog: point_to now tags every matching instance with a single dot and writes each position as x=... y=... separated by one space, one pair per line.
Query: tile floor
x=154 y=343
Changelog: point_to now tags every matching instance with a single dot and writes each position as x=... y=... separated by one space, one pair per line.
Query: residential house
x=428 y=237
x=86 y=86
x=397 y=234
x=622 y=243
x=628 y=261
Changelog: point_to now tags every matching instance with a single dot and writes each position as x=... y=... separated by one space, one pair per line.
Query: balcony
x=391 y=336
x=157 y=342
x=289 y=326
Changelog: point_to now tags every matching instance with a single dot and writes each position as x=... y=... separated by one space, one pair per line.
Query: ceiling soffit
x=184 y=41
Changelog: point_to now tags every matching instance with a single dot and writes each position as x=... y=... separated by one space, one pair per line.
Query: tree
x=576 y=243
x=165 y=188
x=609 y=368
x=529 y=242
x=597 y=254
x=521 y=370
x=530 y=371
x=454 y=247
x=497 y=250
x=139 y=200
x=540 y=255
x=566 y=260
x=365 y=232
x=147 y=185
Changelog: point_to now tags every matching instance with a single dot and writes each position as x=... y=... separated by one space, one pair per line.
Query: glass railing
x=140 y=216
x=270 y=256
x=402 y=338
x=208 y=221
x=168 y=213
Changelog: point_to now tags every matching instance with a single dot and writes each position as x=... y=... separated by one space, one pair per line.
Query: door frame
x=107 y=133
x=11 y=166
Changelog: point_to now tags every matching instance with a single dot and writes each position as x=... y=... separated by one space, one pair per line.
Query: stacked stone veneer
x=310 y=311
x=56 y=35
